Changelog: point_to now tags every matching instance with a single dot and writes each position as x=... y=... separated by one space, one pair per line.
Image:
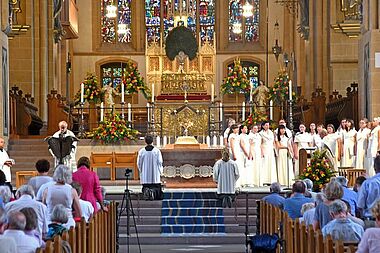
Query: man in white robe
x=63 y=132
x=149 y=162
x=5 y=162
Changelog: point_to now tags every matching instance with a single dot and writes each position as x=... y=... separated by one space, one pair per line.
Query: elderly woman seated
x=370 y=242
x=341 y=227
x=58 y=217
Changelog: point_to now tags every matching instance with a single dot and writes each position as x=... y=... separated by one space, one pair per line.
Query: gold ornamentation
x=173 y=83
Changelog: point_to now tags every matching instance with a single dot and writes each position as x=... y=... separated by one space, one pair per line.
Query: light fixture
x=111 y=11
x=276 y=49
x=247 y=9
x=121 y=28
x=236 y=28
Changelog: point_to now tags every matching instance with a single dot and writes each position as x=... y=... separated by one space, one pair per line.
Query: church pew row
x=96 y=236
x=297 y=238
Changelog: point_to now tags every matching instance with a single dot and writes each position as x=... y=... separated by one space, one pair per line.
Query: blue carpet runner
x=190 y=213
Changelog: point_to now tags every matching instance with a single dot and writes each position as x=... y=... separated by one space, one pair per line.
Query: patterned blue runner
x=192 y=213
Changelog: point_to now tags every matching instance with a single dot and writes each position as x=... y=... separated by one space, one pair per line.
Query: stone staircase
x=150 y=214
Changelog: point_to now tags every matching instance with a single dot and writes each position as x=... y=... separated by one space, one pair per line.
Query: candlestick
x=122 y=92
x=214 y=141
x=158 y=141
x=147 y=108
x=101 y=111
x=243 y=112
x=82 y=92
x=152 y=92
x=290 y=90
x=129 y=112
x=221 y=112
x=251 y=94
x=271 y=110
x=212 y=92
x=165 y=141
x=221 y=141
x=208 y=140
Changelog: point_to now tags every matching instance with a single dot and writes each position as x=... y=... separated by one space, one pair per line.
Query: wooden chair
x=126 y=160
x=21 y=176
x=342 y=171
x=352 y=174
x=102 y=160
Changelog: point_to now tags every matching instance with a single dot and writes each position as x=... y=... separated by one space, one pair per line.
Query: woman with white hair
x=62 y=193
x=5 y=194
x=373 y=146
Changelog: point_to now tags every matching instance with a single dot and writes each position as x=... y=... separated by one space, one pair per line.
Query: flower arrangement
x=257 y=117
x=319 y=171
x=280 y=90
x=133 y=81
x=113 y=129
x=92 y=90
x=236 y=81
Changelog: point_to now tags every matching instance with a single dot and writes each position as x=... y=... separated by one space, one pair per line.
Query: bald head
x=62 y=126
x=2 y=142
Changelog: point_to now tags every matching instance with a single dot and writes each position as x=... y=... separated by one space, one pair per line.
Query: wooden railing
x=97 y=236
x=24 y=119
x=297 y=238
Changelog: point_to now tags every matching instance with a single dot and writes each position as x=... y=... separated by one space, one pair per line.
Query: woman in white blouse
x=361 y=143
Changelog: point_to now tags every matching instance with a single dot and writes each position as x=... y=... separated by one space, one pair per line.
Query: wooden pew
x=124 y=161
x=102 y=160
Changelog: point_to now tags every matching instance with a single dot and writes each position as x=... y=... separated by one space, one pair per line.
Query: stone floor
x=225 y=248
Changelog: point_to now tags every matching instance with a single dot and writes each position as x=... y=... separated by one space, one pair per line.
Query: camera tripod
x=126 y=205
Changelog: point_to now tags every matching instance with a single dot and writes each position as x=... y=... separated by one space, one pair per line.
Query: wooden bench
x=23 y=176
x=102 y=160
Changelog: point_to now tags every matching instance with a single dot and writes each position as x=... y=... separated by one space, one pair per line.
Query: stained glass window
x=112 y=73
x=116 y=29
x=243 y=27
x=186 y=9
x=251 y=70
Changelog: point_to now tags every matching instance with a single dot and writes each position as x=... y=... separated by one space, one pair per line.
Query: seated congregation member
x=370 y=242
x=274 y=198
x=309 y=188
x=5 y=194
x=25 y=198
x=3 y=181
x=349 y=195
x=62 y=193
x=58 y=218
x=8 y=244
x=358 y=183
x=369 y=193
x=341 y=227
x=15 y=230
x=105 y=201
x=333 y=191
x=31 y=227
x=294 y=204
x=352 y=217
x=149 y=162
x=308 y=215
x=306 y=207
x=89 y=182
x=43 y=167
x=86 y=206
x=226 y=173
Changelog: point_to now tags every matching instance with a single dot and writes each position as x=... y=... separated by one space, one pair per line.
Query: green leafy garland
x=320 y=170
x=113 y=130
x=236 y=81
x=134 y=82
x=92 y=90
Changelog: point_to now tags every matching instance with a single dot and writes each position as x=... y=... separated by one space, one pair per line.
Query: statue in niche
x=303 y=27
x=109 y=93
x=260 y=97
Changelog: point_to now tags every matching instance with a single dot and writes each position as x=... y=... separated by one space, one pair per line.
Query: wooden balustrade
x=97 y=236
x=296 y=236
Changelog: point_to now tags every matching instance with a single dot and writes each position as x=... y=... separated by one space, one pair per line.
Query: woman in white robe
x=244 y=163
x=333 y=143
x=361 y=143
x=268 y=172
x=255 y=155
x=349 y=142
x=301 y=140
x=234 y=147
x=284 y=159
x=373 y=146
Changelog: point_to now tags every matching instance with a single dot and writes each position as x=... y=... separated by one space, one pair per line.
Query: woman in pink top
x=89 y=181
x=370 y=242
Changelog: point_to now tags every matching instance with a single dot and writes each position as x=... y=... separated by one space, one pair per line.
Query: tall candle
x=212 y=92
x=101 y=111
x=82 y=92
x=122 y=92
x=129 y=112
x=214 y=141
x=271 y=110
x=165 y=141
x=221 y=141
x=152 y=92
x=158 y=141
x=290 y=90
x=251 y=94
x=220 y=112
x=208 y=140
x=243 y=112
x=147 y=108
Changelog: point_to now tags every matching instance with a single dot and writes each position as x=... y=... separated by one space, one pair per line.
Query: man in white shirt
x=86 y=206
x=63 y=132
x=8 y=244
x=5 y=162
x=25 y=195
x=16 y=226
x=149 y=162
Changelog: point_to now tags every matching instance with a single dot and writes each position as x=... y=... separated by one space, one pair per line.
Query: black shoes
x=227 y=202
